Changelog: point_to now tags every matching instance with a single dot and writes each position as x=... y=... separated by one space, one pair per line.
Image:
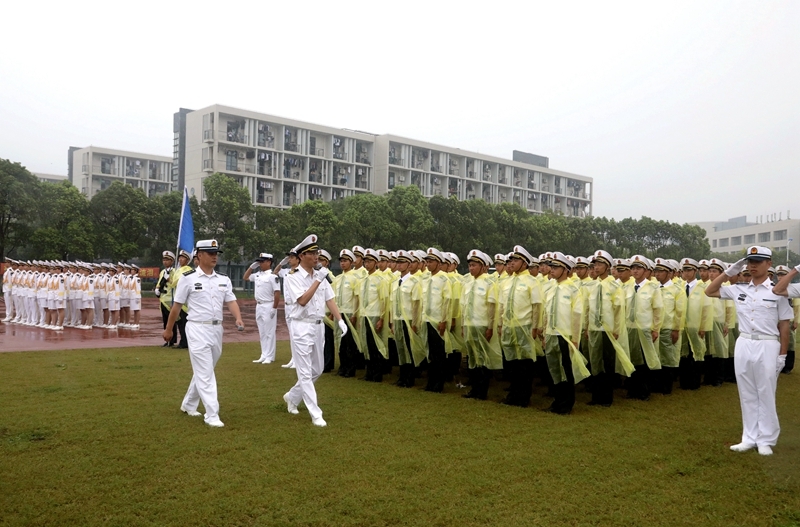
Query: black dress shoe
x=165 y=345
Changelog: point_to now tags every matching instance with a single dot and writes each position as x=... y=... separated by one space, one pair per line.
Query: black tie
x=636 y=288
x=687 y=289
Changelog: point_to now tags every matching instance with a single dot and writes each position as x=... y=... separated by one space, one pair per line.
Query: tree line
x=120 y=223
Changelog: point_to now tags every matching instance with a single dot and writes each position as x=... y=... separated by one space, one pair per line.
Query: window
x=231 y=160
x=763 y=237
x=736 y=240
x=713 y=244
x=779 y=235
x=723 y=242
x=749 y=238
x=391 y=180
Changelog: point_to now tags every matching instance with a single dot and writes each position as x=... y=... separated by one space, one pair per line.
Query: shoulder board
x=220 y=274
x=293 y=271
x=187 y=273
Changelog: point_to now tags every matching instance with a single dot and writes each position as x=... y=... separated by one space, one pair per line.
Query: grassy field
x=95 y=437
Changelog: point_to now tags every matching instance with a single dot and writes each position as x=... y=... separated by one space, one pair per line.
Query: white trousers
x=755 y=362
x=205 y=347
x=267 y=321
x=8 y=298
x=307 y=353
x=32 y=309
x=77 y=304
x=98 y=312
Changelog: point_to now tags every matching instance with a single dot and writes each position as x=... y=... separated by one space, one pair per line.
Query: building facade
x=50 y=178
x=93 y=169
x=737 y=234
x=283 y=162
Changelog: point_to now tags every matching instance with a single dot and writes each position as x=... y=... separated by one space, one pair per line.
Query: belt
x=756 y=336
x=269 y=302
x=308 y=320
x=209 y=322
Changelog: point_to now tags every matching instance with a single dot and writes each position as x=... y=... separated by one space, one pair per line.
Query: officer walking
x=204 y=291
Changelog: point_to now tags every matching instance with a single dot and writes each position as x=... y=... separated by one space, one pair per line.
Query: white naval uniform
x=266 y=284
x=755 y=357
x=308 y=336
x=8 y=286
x=205 y=296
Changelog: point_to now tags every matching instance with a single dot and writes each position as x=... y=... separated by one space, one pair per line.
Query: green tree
x=19 y=194
x=64 y=229
x=227 y=215
x=411 y=212
x=120 y=220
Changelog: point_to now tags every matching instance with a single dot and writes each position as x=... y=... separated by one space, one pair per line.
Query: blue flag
x=186 y=229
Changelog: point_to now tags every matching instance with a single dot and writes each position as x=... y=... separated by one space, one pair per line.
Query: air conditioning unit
x=503 y=195
x=241 y=155
x=435 y=181
x=401 y=179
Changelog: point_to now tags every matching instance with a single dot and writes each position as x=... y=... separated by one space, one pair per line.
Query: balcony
x=266 y=141
x=85 y=169
x=234 y=136
x=264 y=171
x=208 y=136
x=453 y=171
x=398 y=161
x=247 y=168
x=208 y=165
x=319 y=152
x=436 y=168
x=361 y=183
x=340 y=154
x=106 y=170
x=363 y=159
x=291 y=147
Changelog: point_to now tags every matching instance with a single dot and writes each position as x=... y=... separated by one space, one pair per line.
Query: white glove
x=321 y=274
x=157 y=292
x=166 y=275
x=781 y=363
x=797 y=268
x=254 y=266
x=736 y=268
x=343 y=327
x=272 y=315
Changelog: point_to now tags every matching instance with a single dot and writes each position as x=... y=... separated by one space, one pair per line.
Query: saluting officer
x=268 y=295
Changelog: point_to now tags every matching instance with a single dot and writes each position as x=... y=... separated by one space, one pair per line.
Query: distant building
x=737 y=234
x=94 y=168
x=283 y=162
x=50 y=178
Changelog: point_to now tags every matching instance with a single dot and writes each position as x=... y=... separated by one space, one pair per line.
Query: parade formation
x=55 y=295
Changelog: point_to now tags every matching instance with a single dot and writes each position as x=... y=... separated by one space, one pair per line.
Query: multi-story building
x=93 y=169
x=736 y=234
x=283 y=162
x=50 y=178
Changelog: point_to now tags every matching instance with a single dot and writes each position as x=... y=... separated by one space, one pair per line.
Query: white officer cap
x=421 y=255
x=168 y=254
x=209 y=246
x=662 y=265
x=403 y=256
x=689 y=262
x=570 y=258
x=558 y=259
x=521 y=252
x=383 y=255
x=454 y=258
x=324 y=254
x=309 y=243
x=476 y=255
x=358 y=250
x=676 y=265
x=186 y=253
x=623 y=263
x=263 y=257
x=638 y=260
x=581 y=261
x=371 y=253
x=392 y=256
x=781 y=269
x=703 y=264
x=717 y=264
x=771 y=270
x=604 y=257
x=500 y=258
x=434 y=254
x=758 y=253
x=534 y=262
x=348 y=254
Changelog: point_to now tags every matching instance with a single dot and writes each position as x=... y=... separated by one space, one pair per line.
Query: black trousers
x=407 y=373
x=689 y=372
x=789 y=362
x=375 y=363
x=437 y=360
x=347 y=354
x=328 y=351
x=564 y=392
x=663 y=380
x=639 y=383
x=714 y=371
x=603 y=383
x=519 y=393
x=181 y=323
x=479 y=381
x=164 y=318
x=454 y=361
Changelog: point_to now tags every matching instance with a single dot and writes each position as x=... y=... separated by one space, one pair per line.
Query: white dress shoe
x=191 y=413
x=267 y=362
x=319 y=421
x=259 y=361
x=290 y=406
x=742 y=447
x=216 y=423
x=765 y=450
x=134 y=327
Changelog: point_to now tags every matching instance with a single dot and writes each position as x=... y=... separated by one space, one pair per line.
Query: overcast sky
x=684 y=111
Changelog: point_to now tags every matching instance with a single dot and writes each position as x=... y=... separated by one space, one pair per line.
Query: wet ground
x=15 y=337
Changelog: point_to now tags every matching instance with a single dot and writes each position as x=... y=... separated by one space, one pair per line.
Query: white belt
x=308 y=320
x=209 y=322
x=264 y=302
x=756 y=336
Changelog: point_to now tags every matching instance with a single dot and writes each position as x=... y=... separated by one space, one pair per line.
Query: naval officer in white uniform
x=268 y=294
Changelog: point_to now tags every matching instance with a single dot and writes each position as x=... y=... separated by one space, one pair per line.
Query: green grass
x=92 y=437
